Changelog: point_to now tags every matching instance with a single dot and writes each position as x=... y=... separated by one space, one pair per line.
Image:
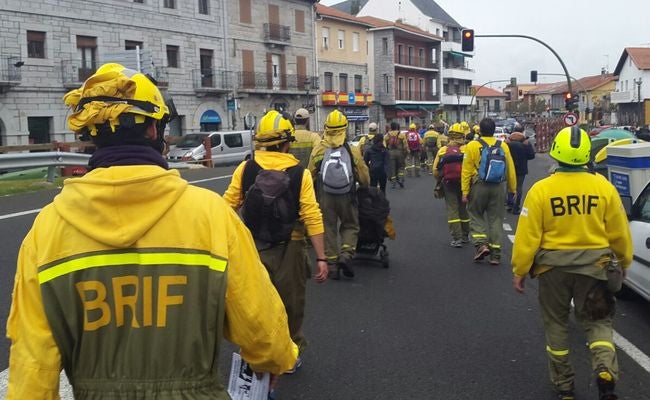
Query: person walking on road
x=521 y=152
x=280 y=233
x=571 y=232
x=487 y=164
x=430 y=143
x=366 y=142
x=376 y=157
x=414 y=143
x=338 y=167
x=131 y=290
x=395 y=142
x=305 y=140
x=447 y=169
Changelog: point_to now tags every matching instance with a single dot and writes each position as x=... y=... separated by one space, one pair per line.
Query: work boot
x=456 y=243
x=481 y=252
x=333 y=272
x=565 y=395
x=606 y=384
x=401 y=183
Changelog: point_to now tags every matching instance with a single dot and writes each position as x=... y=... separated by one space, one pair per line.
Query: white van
x=638 y=275
x=228 y=147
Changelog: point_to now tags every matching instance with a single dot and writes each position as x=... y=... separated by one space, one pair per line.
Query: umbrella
x=615 y=133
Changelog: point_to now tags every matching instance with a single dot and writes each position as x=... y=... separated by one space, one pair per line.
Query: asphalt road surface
x=434 y=325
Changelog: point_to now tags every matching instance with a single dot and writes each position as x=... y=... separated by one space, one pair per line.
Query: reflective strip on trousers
x=494 y=246
x=479 y=235
x=558 y=353
x=602 y=343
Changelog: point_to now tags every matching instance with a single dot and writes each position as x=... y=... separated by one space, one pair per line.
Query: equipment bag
x=492 y=167
x=413 y=141
x=431 y=142
x=271 y=201
x=393 y=141
x=337 y=171
x=451 y=164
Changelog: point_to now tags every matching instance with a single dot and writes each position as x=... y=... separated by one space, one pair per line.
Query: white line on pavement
x=631 y=350
x=507 y=227
x=21 y=213
x=512 y=238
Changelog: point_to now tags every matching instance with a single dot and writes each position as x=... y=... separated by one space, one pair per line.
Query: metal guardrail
x=50 y=159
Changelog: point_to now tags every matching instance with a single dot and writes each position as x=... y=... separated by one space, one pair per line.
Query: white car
x=500 y=133
x=638 y=275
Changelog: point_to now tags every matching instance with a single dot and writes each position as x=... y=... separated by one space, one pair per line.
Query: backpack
x=337 y=171
x=413 y=141
x=374 y=209
x=451 y=164
x=431 y=142
x=271 y=201
x=393 y=141
x=492 y=167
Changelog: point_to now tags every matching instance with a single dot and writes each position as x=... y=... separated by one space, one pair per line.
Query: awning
x=459 y=54
x=210 y=117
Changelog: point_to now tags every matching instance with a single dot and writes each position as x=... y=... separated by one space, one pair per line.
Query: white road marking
x=512 y=238
x=631 y=350
x=21 y=213
x=507 y=227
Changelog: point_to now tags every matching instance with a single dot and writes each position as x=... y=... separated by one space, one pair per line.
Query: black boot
x=606 y=384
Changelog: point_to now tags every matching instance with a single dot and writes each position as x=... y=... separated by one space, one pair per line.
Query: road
x=434 y=325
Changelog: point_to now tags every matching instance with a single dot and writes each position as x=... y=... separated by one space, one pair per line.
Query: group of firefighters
x=123 y=266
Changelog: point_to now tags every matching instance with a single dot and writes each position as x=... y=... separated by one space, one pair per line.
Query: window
x=300 y=21
x=87 y=48
x=139 y=1
x=421 y=61
x=386 y=84
x=410 y=93
x=343 y=83
x=329 y=77
x=326 y=38
x=39 y=129
x=486 y=105
x=433 y=56
x=422 y=90
x=410 y=49
x=355 y=41
x=358 y=82
x=384 y=45
x=207 y=74
x=203 y=7
x=132 y=45
x=245 y=16
x=35 y=44
x=434 y=87
x=400 y=87
x=172 y=56
x=341 y=39
x=233 y=140
x=169 y=4
x=400 y=52
x=497 y=105
x=176 y=125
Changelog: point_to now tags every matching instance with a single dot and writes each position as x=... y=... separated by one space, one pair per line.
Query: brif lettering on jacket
x=131 y=292
x=574 y=204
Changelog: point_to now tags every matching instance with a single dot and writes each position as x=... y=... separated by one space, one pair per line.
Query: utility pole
x=640 y=120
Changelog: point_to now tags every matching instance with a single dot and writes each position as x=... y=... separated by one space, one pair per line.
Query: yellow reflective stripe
x=495 y=246
x=602 y=343
x=559 y=353
x=294 y=145
x=451 y=221
x=464 y=220
x=478 y=235
x=111 y=260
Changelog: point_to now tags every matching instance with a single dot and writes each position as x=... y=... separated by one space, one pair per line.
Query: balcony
x=415 y=62
x=267 y=83
x=74 y=73
x=461 y=73
x=452 y=46
x=277 y=34
x=161 y=75
x=10 y=72
x=330 y=98
x=452 y=99
x=209 y=80
x=415 y=97
x=622 y=97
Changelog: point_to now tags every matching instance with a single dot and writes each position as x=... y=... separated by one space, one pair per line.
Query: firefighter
x=430 y=142
x=366 y=142
x=285 y=258
x=131 y=291
x=336 y=189
x=414 y=143
x=395 y=142
x=447 y=168
x=305 y=140
x=572 y=225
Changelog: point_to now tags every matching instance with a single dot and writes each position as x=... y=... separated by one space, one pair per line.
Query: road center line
x=34 y=211
x=507 y=227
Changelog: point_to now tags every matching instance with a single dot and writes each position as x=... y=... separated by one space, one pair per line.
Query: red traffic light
x=468 y=34
x=568 y=96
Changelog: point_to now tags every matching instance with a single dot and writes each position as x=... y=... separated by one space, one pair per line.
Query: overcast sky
x=587 y=34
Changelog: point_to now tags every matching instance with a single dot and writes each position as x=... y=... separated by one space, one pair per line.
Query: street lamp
x=638 y=83
x=458 y=108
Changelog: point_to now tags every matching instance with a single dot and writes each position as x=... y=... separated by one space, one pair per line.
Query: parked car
x=226 y=147
x=638 y=275
x=500 y=133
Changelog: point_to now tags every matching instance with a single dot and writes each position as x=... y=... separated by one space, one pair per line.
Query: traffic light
x=570 y=100
x=468 y=40
x=533 y=76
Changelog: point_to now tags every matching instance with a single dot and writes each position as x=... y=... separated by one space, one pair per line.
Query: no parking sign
x=570 y=119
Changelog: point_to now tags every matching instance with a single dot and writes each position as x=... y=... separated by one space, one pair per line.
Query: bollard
x=207 y=145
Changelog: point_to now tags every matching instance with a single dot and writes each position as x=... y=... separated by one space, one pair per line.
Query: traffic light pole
x=566 y=71
x=482 y=86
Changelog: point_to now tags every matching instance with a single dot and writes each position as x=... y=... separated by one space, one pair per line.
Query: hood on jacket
x=275 y=160
x=118 y=205
x=335 y=137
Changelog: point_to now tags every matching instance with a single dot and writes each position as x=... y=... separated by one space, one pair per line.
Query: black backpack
x=271 y=201
x=374 y=209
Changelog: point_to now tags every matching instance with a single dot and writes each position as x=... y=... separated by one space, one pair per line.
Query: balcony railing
x=74 y=73
x=10 y=70
x=277 y=33
x=161 y=75
x=414 y=61
x=266 y=81
x=415 y=96
x=210 y=79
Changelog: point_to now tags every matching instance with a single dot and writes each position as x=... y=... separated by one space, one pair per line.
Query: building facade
x=346 y=80
x=632 y=93
x=487 y=102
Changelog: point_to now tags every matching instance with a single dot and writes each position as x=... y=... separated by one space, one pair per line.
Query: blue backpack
x=492 y=168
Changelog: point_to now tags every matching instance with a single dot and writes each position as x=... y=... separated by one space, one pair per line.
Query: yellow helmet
x=111 y=91
x=413 y=127
x=465 y=127
x=476 y=129
x=571 y=146
x=336 y=120
x=274 y=128
x=457 y=128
